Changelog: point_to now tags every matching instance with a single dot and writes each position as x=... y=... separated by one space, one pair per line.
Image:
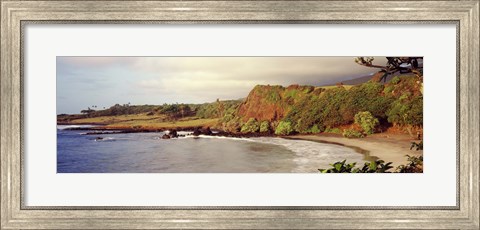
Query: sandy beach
x=388 y=147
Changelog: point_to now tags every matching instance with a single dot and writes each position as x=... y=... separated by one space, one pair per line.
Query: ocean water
x=149 y=153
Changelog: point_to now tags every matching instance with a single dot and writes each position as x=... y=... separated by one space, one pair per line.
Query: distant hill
x=363 y=79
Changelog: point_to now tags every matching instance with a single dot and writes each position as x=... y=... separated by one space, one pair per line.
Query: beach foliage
x=284 y=128
x=315 y=129
x=367 y=121
x=352 y=133
x=252 y=126
x=264 y=127
x=233 y=125
x=414 y=165
x=333 y=130
x=340 y=167
x=417 y=146
x=377 y=166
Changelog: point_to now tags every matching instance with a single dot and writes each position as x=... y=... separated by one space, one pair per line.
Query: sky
x=104 y=81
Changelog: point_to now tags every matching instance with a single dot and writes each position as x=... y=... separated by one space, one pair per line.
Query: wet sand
x=387 y=147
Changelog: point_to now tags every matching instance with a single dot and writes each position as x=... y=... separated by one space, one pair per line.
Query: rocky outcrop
x=272 y=103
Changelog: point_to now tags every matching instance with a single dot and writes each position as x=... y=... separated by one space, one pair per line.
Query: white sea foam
x=312 y=152
x=106 y=139
x=73 y=126
x=307 y=152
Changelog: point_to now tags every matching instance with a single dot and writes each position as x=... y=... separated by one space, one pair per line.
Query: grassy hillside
x=308 y=109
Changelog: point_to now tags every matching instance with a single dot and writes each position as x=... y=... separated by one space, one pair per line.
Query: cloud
x=277 y=69
x=235 y=76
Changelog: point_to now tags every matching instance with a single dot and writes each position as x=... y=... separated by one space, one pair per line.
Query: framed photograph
x=239 y=114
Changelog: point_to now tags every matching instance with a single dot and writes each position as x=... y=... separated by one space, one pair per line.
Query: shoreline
x=386 y=147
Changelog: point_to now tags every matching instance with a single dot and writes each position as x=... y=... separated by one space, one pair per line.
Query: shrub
x=251 y=126
x=367 y=121
x=264 y=127
x=339 y=167
x=388 y=89
x=406 y=111
x=352 y=133
x=415 y=165
x=284 y=128
x=233 y=125
x=417 y=146
x=395 y=80
x=333 y=130
x=378 y=166
x=315 y=129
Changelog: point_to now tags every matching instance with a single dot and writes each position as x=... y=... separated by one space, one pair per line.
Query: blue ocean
x=149 y=153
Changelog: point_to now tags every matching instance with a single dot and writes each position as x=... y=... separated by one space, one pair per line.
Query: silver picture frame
x=16 y=14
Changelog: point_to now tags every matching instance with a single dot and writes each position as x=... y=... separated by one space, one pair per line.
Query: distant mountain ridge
x=364 y=79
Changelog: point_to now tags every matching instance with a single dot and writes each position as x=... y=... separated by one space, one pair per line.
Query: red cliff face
x=271 y=103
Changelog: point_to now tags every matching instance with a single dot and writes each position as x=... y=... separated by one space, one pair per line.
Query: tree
x=394 y=65
x=87 y=111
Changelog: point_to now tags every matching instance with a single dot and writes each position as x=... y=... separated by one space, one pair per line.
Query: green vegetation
x=366 y=121
x=217 y=109
x=233 y=125
x=116 y=119
x=264 y=127
x=162 y=124
x=313 y=109
x=406 y=110
x=118 y=109
x=284 y=128
x=378 y=166
x=315 y=129
x=417 y=146
x=352 y=133
x=333 y=130
x=415 y=165
x=252 y=126
x=395 y=80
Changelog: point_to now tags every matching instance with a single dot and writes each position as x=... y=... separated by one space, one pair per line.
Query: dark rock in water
x=166 y=136
x=197 y=132
x=99 y=138
x=207 y=131
x=173 y=133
